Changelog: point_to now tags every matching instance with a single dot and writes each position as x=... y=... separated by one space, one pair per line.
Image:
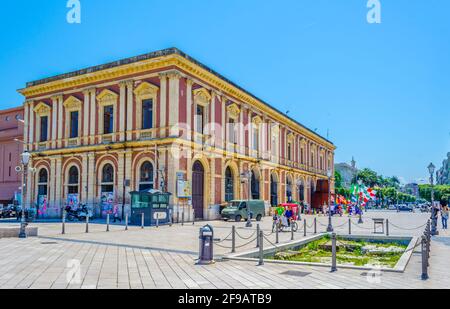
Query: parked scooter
x=80 y=213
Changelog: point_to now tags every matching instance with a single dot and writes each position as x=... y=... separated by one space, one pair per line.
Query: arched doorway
x=42 y=192
x=256 y=195
x=301 y=191
x=312 y=190
x=73 y=187
x=229 y=185
x=273 y=191
x=198 y=189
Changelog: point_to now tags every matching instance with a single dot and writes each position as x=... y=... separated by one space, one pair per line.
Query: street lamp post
x=248 y=176
x=330 y=224
x=25 y=160
x=360 y=221
x=434 y=211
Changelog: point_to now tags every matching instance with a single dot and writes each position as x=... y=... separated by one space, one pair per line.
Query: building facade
x=163 y=120
x=11 y=128
x=443 y=174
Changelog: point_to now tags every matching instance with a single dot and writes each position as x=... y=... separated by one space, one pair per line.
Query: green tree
x=338 y=179
x=368 y=177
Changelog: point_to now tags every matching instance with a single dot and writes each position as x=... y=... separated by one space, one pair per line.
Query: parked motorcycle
x=79 y=214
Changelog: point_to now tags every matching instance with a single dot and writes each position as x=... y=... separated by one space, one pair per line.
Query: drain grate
x=49 y=243
x=294 y=273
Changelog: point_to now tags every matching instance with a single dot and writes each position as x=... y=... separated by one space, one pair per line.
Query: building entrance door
x=198 y=189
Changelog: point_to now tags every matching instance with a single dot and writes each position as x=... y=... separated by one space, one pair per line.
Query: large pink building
x=11 y=128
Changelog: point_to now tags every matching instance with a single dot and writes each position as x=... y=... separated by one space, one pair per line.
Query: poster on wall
x=107 y=201
x=42 y=205
x=73 y=201
x=183 y=189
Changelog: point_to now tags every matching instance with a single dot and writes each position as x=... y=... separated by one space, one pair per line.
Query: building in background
x=347 y=171
x=412 y=189
x=443 y=174
x=163 y=120
x=11 y=128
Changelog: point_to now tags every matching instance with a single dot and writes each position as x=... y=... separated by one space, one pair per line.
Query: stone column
x=120 y=175
x=128 y=176
x=84 y=178
x=31 y=115
x=91 y=181
x=52 y=184
x=86 y=117
x=30 y=190
x=172 y=169
x=122 y=110
x=93 y=115
x=212 y=120
x=130 y=103
x=223 y=124
x=58 y=183
x=26 y=122
x=174 y=102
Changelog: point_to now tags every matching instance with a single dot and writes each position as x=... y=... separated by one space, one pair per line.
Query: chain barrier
x=226 y=238
x=407 y=229
x=361 y=227
x=247 y=243
x=245 y=238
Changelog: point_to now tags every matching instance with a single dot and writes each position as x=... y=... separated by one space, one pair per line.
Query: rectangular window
x=147 y=114
x=302 y=158
x=44 y=129
x=74 y=124
x=231 y=133
x=289 y=152
x=200 y=119
x=108 y=119
x=256 y=139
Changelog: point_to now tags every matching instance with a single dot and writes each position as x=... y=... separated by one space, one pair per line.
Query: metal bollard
x=233 y=239
x=304 y=228
x=157 y=222
x=182 y=218
x=142 y=221
x=292 y=232
x=64 y=223
x=349 y=226
x=87 y=223
x=333 y=253
x=424 y=259
x=178 y=216
x=277 y=240
x=107 y=222
x=261 y=248
x=193 y=217
x=387 y=227
x=126 y=222
x=258 y=229
x=315 y=225
x=171 y=218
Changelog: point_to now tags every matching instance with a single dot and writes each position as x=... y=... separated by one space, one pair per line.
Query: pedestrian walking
x=116 y=214
x=444 y=215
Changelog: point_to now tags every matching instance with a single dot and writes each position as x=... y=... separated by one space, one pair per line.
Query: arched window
x=108 y=179
x=255 y=187
x=146 y=179
x=229 y=185
x=73 y=181
x=43 y=182
x=289 y=190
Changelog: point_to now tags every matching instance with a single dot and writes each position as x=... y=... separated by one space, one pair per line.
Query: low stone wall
x=13 y=232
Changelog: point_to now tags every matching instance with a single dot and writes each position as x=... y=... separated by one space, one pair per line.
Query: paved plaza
x=165 y=257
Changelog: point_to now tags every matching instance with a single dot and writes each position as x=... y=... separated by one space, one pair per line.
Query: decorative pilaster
x=84 y=178
x=130 y=103
x=91 y=179
x=128 y=168
x=93 y=115
x=174 y=102
x=58 y=183
x=190 y=125
x=52 y=184
x=122 y=110
x=59 y=100
x=54 y=135
x=86 y=117
x=121 y=175
x=31 y=115
x=163 y=100
x=30 y=189
x=27 y=121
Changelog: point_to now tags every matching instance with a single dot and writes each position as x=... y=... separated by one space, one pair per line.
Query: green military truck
x=237 y=210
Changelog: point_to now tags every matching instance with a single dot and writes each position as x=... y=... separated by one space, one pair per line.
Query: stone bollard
x=387 y=227
x=261 y=248
x=193 y=217
x=424 y=259
x=182 y=218
x=333 y=253
x=258 y=229
x=142 y=221
x=233 y=239
x=107 y=222
x=315 y=226
x=63 y=231
x=87 y=223
x=157 y=222
x=126 y=222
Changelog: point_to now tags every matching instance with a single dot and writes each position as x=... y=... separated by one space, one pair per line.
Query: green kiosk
x=154 y=204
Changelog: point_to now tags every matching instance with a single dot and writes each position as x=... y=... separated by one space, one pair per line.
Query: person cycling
x=289 y=215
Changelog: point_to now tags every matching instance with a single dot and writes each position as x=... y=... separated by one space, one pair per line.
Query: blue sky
x=380 y=90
